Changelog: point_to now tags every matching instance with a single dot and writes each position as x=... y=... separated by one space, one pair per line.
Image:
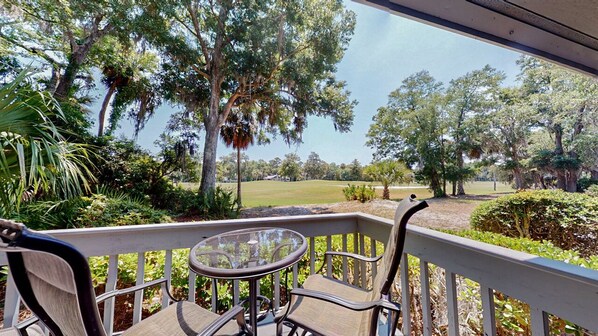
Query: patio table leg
x=253 y=283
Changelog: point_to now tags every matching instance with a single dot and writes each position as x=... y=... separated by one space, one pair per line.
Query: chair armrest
x=162 y=282
x=352 y=305
x=236 y=312
x=353 y=255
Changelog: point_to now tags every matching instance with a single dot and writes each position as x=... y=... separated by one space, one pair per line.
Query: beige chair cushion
x=179 y=319
x=328 y=318
x=33 y=330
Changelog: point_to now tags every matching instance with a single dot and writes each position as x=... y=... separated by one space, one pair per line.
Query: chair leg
x=393 y=320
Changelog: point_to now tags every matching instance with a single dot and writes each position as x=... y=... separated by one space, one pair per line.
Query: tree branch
x=202 y=42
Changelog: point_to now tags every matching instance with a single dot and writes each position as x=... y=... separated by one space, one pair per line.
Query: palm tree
x=387 y=172
x=35 y=158
x=238 y=131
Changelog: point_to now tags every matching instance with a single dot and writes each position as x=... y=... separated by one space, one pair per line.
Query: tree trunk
x=571 y=180
x=70 y=73
x=454 y=192
x=561 y=179
x=102 y=116
x=460 y=164
x=239 y=177
x=594 y=174
x=208 y=174
x=386 y=192
x=518 y=176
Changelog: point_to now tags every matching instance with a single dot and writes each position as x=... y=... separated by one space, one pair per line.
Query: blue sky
x=384 y=50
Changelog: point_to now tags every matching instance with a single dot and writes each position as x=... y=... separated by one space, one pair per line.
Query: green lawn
x=275 y=193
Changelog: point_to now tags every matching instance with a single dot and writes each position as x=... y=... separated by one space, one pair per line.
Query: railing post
x=425 y=297
x=373 y=255
x=168 y=276
x=539 y=322
x=139 y=294
x=405 y=295
x=355 y=262
x=328 y=258
x=312 y=255
x=488 y=310
x=451 y=303
x=363 y=265
x=345 y=277
x=11 y=302
x=110 y=286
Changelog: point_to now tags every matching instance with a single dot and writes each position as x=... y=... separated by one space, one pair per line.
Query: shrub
x=585 y=182
x=360 y=193
x=592 y=190
x=218 y=203
x=569 y=220
x=96 y=210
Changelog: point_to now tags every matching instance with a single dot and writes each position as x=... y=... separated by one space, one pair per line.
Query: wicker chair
x=326 y=306
x=54 y=281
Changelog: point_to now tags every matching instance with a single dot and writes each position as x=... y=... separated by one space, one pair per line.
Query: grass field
x=275 y=193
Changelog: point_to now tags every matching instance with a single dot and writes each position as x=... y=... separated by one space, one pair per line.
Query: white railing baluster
x=356 y=262
x=345 y=277
x=110 y=286
x=405 y=295
x=312 y=255
x=425 y=297
x=168 y=276
x=363 y=271
x=192 y=284
x=12 y=301
x=328 y=258
x=539 y=322
x=488 y=310
x=139 y=279
x=451 y=303
x=373 y=254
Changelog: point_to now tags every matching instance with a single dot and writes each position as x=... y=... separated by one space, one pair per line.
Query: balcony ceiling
x=561 y=31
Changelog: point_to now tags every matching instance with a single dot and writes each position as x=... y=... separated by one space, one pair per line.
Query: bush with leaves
x=96 y=210
x=218 y=203
x=361 y=193
x=569 y=220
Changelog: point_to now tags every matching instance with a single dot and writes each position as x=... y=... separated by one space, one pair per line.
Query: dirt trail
x=445 y=213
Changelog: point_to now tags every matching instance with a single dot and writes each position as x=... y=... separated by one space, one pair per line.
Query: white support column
x=345 y=277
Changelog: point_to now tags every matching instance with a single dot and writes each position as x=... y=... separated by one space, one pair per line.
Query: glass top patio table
x=247 y=253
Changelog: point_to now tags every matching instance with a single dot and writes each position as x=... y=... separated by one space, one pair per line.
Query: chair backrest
x=53 y=279
x=389 y=264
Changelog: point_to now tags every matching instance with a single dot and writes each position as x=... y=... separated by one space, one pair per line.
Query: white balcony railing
x=548 y=287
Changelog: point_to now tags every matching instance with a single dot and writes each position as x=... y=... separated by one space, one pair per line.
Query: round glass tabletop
x=247 y=253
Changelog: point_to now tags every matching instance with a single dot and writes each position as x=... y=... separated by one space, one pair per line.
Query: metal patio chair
x=54 y=281
x=326 y=306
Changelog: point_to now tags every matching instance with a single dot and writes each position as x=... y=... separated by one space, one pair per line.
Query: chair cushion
x=33 y=330
x=180 y=319
x=327 y=318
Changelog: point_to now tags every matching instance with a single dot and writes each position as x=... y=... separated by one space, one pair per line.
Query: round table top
x=247 y=253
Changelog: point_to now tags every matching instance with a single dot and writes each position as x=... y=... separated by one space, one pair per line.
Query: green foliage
x=217 y=203
x=586 y=182
x=388 y=172
x=592 y=190
x=290 y=167
x=568 y=220
x=97 y=210
x=36 y=158
x=361 y=193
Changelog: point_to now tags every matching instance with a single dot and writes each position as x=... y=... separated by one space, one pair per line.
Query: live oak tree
x=61 y=35
x=566 y=105
x=275 y=57
x=411 y=128
x=469 y=99
x=290 y=167
x=314 y=167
